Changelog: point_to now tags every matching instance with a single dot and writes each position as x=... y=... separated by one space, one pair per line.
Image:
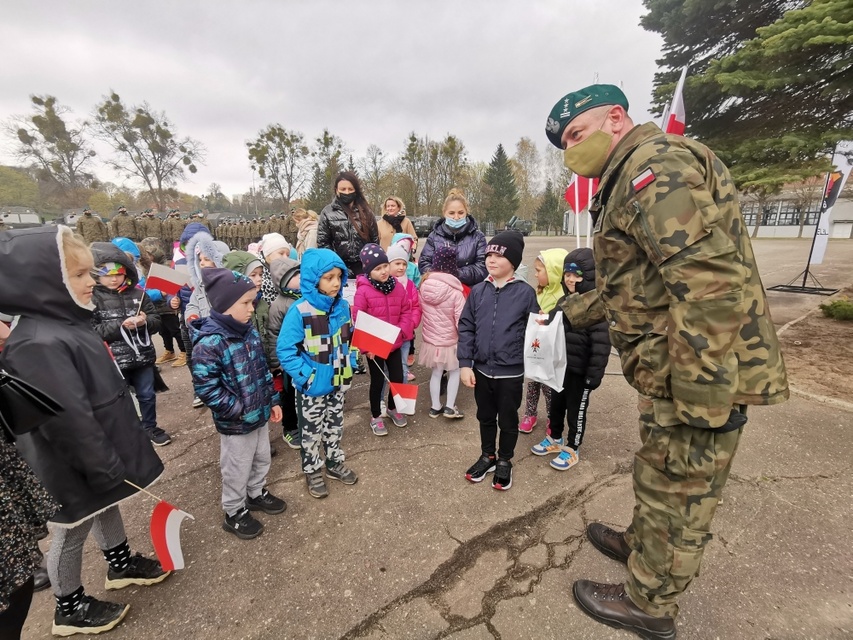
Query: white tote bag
x=545 y=351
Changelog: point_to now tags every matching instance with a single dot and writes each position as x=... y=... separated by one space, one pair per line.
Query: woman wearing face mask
x=347 y=224
x=394 y=221
x=459 y=230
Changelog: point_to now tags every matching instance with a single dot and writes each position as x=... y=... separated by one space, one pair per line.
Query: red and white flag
x=675 y=118
x=165 y=279
x=166 y=535
x=405 y=396
x=372 y=335
x=580 y=192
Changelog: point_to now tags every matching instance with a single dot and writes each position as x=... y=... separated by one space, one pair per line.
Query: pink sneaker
x=527 y=424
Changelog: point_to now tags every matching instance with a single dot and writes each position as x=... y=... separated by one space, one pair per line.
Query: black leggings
x=170 y=331
x=394 y=362
x=12 y=619
x=570 y=406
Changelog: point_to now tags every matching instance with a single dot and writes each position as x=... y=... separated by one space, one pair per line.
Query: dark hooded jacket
x=132 y=348
x=587 y=350
x=281 y=272
x=83 y=455
x=470 y=245
x=335 y=231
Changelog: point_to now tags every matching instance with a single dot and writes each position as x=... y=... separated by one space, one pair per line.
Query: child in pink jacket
x=442 y=300
x=398 y=258
x=382 y=296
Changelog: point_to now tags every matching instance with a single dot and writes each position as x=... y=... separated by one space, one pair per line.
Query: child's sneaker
x=378 y=427
x=197 y=402
x=548 y=445
x=180 y=360
x=342 y=473
x=566 y=460
x=434 y=413
x=527 y=424
x=243 y=525
x=167 y=356
x=267 y=503
x=158 y=437
x=453 y=413
x=398 y=419
x=139 y=571
x=316 y=484
x=486 y=464
x=92 y=616
x=502 y=480
x=292 y=439
x=410 y=376
x=410 y=360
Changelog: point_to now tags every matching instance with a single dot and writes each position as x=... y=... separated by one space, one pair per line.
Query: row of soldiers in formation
x=148 y=225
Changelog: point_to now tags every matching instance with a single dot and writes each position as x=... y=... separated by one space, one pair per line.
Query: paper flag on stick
x=164 y=279
x=166 y=535
x=373 y=335
x=405 y=396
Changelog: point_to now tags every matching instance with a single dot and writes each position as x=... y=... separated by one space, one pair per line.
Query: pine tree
x=502 y=201
x=549 y=213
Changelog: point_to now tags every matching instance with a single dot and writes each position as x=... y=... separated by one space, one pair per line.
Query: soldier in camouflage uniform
x=148 y=225
x=122 y=225
x=92 y=228
x=678 y=284
x=289 y=229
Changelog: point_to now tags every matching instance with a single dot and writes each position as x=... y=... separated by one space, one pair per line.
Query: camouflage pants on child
x=679 y=475
x=321 y=425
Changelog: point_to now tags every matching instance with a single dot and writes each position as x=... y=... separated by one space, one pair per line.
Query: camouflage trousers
x=679 y=475
x=321 y=426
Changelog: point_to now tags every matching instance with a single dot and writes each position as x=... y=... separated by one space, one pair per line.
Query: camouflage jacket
x=92 y=229
x=149 y=227
x=123 y=226
x=678 y=284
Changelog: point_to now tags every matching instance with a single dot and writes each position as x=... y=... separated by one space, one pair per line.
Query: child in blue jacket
x=314 y=349
x=231 y=376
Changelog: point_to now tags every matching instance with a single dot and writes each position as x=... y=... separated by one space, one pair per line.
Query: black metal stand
x=819 y=290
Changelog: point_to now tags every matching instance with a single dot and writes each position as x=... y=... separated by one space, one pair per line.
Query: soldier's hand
x=466 y=374
x=736 y=421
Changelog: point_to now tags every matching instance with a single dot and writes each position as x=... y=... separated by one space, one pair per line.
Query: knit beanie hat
x=273 y=242
x=444 y=260
x=372 y=256
x=398 y=252
x=112 y=269
x=224 y=287
x=509 y=244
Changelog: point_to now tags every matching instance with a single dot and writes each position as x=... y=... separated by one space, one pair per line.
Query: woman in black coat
x=84 y=455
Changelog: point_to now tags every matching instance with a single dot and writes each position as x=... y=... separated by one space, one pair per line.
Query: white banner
x=832 y=188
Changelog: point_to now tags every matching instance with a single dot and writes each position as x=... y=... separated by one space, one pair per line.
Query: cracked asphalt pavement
x=413 y=551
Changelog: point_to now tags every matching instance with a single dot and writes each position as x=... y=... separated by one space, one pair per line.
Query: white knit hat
x=273 y=242
x=397 y=251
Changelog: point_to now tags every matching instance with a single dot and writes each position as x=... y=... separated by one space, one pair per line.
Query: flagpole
x=817 y=226
x=588 y=214
x=136 y=486
x=577 y=215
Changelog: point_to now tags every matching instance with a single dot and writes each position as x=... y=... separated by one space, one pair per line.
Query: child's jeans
x=142 y=381
x=244 y=461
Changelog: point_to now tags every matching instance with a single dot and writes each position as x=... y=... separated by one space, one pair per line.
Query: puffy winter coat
x=492 y=326
x=306 y=237
x=281 y=272
x=239 y=261
x=196 y=304
x=132 y=348
x=394 y=308
x=548 y=295
x=83 y=455
x=231 y=376
x=336 y=232
x=470 y=245
x=588 y=349
x=314 y=343
x=414 y=300
x=442 y=302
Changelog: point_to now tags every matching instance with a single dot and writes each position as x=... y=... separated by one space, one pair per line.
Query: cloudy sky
x=370 y=71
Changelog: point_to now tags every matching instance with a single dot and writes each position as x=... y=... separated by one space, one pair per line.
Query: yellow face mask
x=587 y=158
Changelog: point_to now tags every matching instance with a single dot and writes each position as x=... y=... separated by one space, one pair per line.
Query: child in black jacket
x=587 y=351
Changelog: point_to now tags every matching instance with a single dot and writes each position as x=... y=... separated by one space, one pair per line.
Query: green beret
x=573 y=104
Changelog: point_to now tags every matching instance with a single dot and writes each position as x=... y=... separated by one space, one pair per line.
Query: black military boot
x=609 y=541
x=608 y=603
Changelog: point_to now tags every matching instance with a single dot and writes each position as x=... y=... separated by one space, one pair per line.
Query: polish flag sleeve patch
x=643 y=180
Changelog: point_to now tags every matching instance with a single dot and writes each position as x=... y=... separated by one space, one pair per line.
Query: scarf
x=241 y=329
x=383 y=287
x=394 y=221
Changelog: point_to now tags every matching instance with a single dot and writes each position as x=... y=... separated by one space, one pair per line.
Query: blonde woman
x=306 y=235
x=393 y=221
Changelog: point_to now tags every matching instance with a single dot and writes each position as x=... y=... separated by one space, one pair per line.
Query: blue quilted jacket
x=231 y=376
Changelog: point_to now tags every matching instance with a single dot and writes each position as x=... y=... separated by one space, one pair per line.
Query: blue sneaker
x=566 y=460
x=548 y=445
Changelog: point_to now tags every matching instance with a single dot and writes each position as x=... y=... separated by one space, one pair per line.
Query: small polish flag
x=372 y=335
x=643 y=180
x=675 y=117
x=405 y=396
x=165 y=279
x=166 y=535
